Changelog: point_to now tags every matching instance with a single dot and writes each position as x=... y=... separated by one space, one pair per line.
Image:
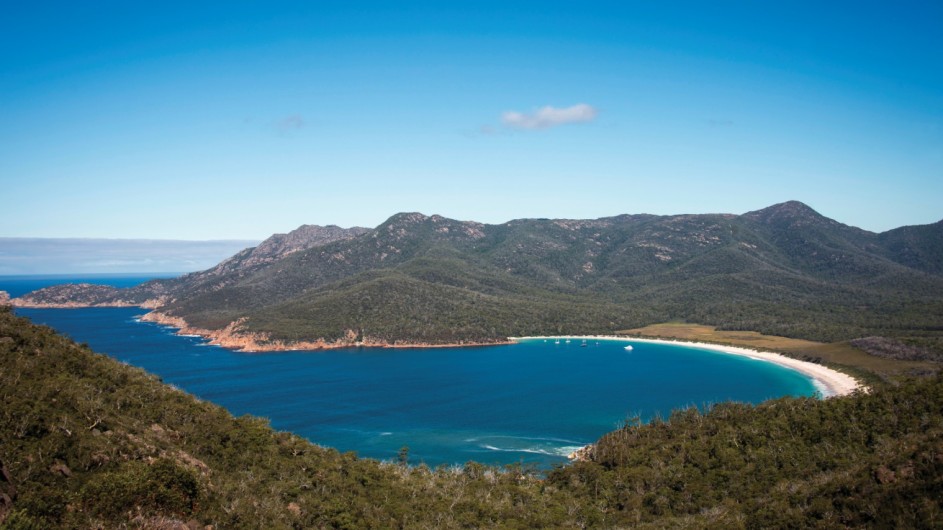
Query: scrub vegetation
x=88 y=442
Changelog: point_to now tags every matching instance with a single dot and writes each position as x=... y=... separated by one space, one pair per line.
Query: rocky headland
x=235 y=337
x=75 y=296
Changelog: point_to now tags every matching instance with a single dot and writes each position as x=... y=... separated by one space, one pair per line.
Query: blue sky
x=236 y=120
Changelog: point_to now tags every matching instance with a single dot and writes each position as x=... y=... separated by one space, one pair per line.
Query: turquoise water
x=531 y=402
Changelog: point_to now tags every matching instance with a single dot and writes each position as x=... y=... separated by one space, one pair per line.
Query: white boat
x=628 y=348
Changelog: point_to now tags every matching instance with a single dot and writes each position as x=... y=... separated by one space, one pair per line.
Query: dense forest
x=87 y=442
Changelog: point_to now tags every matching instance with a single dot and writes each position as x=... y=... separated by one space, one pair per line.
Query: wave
x=528 y=438
x=565 y=450
x=516 y=450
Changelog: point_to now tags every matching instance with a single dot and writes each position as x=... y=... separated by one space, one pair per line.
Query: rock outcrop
x=78 y=295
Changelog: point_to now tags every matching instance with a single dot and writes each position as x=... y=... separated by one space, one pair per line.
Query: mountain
x=229 y=271
x=920 y=247
x=244 y=263
x=783 y=270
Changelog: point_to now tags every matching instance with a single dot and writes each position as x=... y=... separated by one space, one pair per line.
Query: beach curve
x=828 y=381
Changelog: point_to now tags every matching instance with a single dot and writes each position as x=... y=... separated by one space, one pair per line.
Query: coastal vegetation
x=87 y=442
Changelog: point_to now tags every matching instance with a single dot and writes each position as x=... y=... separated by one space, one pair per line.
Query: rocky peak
x=792 y=214
x=272 y=249
x=302 y=238
x=406 y=224
x=406 y=219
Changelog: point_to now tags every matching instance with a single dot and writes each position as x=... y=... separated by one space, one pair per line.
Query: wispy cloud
x=546 y=117
x=290 y=123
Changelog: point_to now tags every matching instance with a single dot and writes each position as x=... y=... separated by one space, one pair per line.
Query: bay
x=531 y=402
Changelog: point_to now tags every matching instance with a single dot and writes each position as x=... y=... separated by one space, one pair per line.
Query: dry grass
x=838 y=354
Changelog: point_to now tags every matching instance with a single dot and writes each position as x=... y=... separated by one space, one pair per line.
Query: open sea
x=531 y=402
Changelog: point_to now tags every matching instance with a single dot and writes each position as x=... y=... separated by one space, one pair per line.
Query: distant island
x=427 y=280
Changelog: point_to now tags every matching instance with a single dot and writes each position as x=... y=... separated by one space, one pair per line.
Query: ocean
x=530 y=403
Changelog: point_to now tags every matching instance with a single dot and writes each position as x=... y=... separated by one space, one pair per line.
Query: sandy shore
x=827 y=381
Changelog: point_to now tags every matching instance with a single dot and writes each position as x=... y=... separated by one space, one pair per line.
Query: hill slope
x=783 y=270
x=87 y=442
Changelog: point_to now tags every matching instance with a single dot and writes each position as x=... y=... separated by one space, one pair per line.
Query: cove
x=532 y=402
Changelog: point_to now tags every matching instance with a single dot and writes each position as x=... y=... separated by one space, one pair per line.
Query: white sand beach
x=829 y=382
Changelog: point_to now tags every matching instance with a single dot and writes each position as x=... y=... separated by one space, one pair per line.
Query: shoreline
x=233 y=337
x=829 y=382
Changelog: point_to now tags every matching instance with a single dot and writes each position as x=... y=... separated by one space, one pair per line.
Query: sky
x=236 y=120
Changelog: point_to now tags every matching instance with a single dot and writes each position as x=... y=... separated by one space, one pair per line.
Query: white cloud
x=546 y=117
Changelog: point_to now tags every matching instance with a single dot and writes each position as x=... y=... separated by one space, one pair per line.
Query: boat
x=583 y=345
x=557 y=341
x=628 y=348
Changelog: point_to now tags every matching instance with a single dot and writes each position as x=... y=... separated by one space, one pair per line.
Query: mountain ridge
x=784 y=269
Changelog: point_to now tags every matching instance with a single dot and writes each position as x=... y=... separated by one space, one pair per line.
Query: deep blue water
x=531 y=402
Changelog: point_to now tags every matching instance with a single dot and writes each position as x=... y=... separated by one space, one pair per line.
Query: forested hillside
x=784 y=270
x=87 y=442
